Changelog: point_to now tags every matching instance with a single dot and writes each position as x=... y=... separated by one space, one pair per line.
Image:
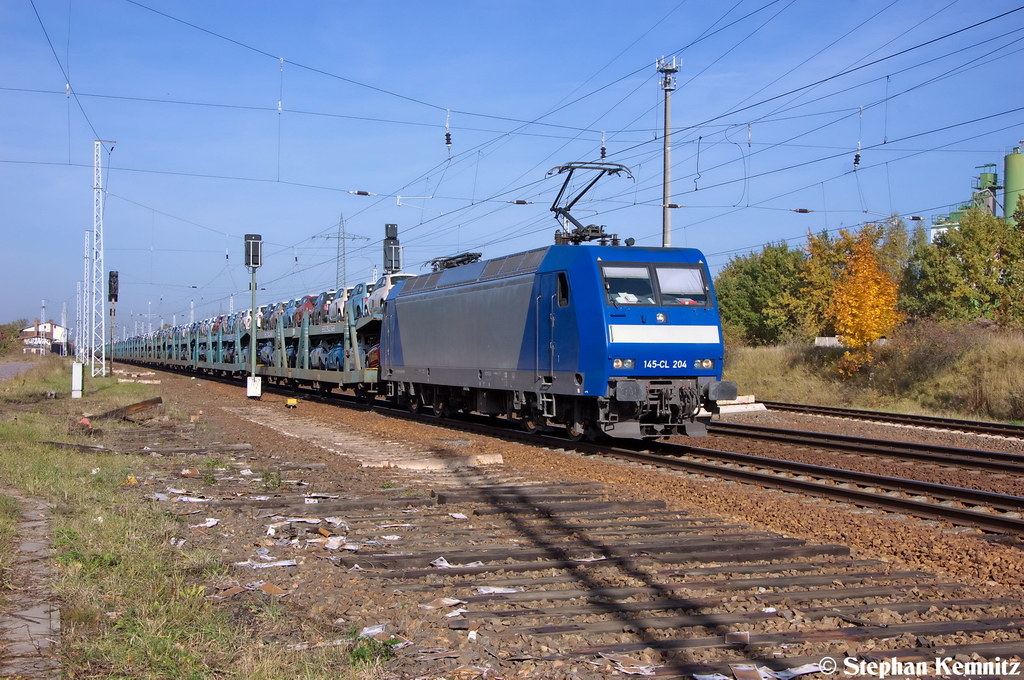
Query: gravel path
x=12 y=370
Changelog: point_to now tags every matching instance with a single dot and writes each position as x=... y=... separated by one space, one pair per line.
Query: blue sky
x=772 y=100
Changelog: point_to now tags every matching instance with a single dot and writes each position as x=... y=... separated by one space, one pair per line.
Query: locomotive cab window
x=563 y=290
x=682 y=286
x=628 y=286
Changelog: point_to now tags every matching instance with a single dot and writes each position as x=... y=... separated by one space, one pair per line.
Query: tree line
x=861 y=284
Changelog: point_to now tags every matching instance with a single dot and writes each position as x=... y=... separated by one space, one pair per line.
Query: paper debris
x=713 y=676
x=373 y=631
x=493 y=590
x=471 y=636
x=334 y=542
x=442 y=602
x=157 y=496
x=302 y=646
x=177 y=542
x=192 y=499
x=94 y=471
x=745 y=671
x=769 y=610
x=391 y=538
x=790 y=673
x=246 y=472
x=171 y=489
x=210 y=522
x=271 y=589
x=189 y=472
x=738 y=638
x=629 y=665
x=456 y=612
x=592 y=558
x=265 y=565
x=311 y=501
x=389 y=526
x=457 y=515
x=441 y=563
x=226 y=594
x=98 y=520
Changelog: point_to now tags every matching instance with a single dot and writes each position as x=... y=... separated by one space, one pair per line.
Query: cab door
x=556 y=332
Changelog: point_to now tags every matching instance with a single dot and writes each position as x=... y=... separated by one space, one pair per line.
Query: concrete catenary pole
x=668 y=83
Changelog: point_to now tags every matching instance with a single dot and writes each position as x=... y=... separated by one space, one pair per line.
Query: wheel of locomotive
x=532 y=421
x=577 y=430
x=440 y=407
x=415 y=404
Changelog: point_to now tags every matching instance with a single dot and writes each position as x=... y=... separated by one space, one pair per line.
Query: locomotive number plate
x=664 y=363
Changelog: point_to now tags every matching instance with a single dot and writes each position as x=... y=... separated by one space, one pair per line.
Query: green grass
x=133 y=606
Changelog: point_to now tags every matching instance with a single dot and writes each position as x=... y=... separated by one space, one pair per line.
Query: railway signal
x=253 y=260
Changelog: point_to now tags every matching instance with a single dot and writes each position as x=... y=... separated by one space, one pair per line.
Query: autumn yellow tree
x=826 y=257
x=864 y=299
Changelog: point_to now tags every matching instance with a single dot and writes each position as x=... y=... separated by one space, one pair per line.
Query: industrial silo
x=1013 y=181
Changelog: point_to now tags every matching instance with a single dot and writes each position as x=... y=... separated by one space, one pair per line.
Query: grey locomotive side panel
x=475 y=326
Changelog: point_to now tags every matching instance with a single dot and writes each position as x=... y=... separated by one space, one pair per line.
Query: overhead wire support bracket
x=410 y=205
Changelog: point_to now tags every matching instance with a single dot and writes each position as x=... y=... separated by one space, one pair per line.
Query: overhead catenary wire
x=472 y=198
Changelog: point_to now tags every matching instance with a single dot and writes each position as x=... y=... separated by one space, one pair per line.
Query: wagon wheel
x=365 y=394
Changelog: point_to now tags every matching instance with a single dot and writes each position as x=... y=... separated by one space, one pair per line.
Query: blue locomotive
x=601 y=339
x=604 y=340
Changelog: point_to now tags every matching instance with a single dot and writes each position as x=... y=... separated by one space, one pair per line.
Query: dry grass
x=132 y=604
x=8 y=528
x=957 y=371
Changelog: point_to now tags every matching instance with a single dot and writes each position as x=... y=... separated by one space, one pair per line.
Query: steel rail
x=991 y=461
x=669 y=457
x=974 y=426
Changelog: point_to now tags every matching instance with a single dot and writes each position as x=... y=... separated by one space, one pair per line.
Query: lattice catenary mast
x=97 y=327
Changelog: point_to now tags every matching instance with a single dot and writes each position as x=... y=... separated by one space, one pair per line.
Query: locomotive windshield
x=634 y=285
x=682 y=286
x=628 y=286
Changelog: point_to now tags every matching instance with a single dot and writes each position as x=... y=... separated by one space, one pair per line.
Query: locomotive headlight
x=624 y=363
x=704 y=363
x=661 y=317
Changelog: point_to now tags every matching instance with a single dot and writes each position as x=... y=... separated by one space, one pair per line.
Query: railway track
x=932 y=454
x=569 y=579
x=542 y=576
x=989 y=512
x=972 y=426
x=986 y=511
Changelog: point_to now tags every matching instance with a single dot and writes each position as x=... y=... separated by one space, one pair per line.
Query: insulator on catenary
x=856 y=161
